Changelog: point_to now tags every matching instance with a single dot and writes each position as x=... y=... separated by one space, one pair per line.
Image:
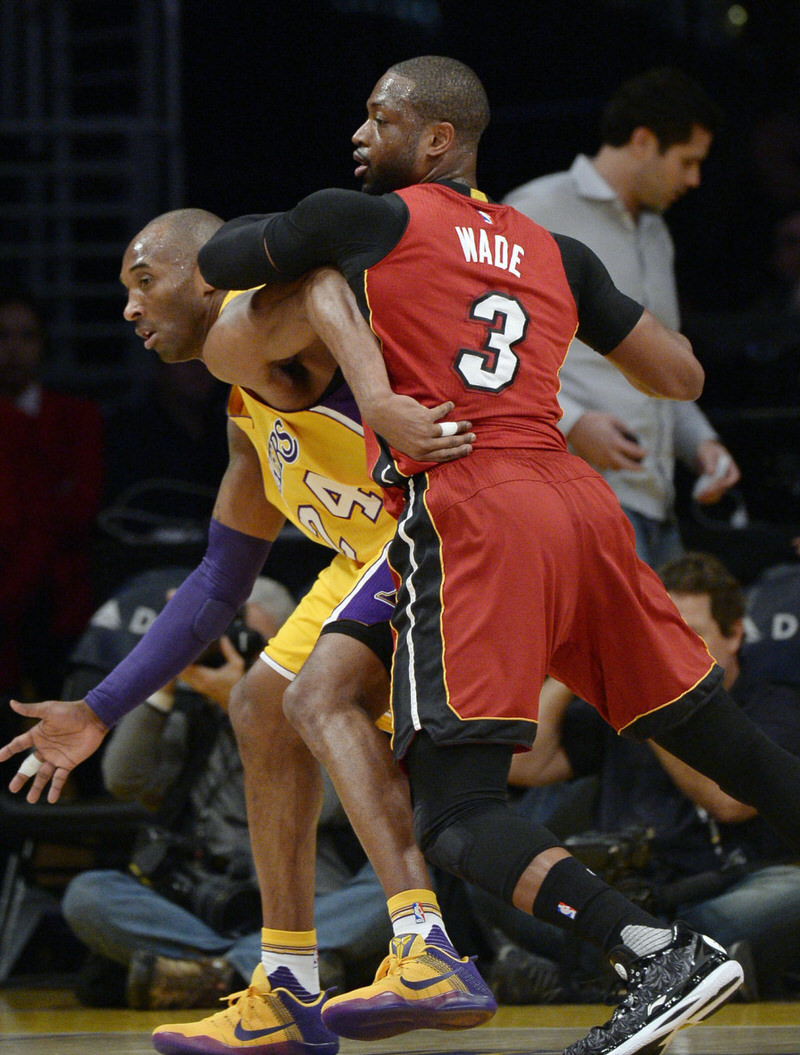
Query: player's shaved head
x=444 y=89
x=184 y=230
x=167 y=298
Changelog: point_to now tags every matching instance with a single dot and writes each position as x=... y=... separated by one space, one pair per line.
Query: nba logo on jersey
x=567 y=910
x=485 y=215
x=419 y=914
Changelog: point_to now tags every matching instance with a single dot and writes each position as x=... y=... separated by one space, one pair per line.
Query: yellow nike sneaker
x=419 y=985
x=260 y=1020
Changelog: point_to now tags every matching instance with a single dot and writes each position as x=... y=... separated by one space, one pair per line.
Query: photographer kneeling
x=184 y=923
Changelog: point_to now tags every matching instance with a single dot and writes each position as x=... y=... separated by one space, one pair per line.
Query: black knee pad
x=491 y=848
x=462 y=820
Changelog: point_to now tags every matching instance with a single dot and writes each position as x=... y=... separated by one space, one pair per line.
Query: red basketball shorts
x=515 y=564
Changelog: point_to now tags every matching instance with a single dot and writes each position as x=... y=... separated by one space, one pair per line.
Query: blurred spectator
x=51 y=473
x=693 y=852
x=752 y=362
x=752 y=356
x=167 y=450
x=175 y=429
x=775 y=151
x=655 y=134
x=785 y=262
x=772 y=628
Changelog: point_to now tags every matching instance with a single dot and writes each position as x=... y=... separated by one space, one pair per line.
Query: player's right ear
x=441 y=138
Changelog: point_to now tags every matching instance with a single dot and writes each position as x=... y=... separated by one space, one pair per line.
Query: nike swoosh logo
x=255 y=1034
x=428 y=982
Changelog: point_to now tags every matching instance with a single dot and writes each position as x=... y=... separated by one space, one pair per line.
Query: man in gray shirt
x=655 y=133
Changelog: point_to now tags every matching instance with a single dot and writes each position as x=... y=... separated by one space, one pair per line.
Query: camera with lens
x=247 y=642
x=622 y=858
x=612 y=855
x=227 y=901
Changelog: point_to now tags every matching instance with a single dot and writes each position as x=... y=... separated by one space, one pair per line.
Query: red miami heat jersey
x=495 y=348
x=503 y=559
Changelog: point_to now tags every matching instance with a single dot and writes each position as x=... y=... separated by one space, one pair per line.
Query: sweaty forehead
x=140 y=249
x=392 y=90
x=154 y=247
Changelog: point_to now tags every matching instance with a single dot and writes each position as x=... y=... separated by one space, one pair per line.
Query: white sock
x=290 y=960
x=417 y=912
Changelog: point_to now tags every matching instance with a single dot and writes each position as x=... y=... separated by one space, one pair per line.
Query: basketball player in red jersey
x=517 y=561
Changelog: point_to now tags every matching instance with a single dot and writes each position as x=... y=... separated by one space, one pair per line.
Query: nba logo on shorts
x=419 y=915
x=567 y=910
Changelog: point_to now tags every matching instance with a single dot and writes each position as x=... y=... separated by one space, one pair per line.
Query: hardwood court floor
x=49 y=1022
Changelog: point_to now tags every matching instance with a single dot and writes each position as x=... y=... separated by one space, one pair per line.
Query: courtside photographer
x=180 y=926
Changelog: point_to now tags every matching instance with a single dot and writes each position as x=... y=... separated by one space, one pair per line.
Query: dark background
x=241 y=106
x=273 y=91
x=273 y=96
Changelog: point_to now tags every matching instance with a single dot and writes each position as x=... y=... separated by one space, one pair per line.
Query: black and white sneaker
x=679 y=985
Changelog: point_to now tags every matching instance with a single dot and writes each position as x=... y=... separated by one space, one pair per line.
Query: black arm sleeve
x=341 y=228
x=605 y=315
x=235 y=258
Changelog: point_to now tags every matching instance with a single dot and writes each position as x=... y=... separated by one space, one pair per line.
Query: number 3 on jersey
x=494 y=372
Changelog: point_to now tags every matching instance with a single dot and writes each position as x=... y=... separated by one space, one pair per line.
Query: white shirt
x=639 y=256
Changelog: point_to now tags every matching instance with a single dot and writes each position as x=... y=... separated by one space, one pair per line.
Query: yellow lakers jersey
x=315 y=469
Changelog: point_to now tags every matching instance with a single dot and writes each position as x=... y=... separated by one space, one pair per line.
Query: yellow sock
x=417 y=912
x=290 y=960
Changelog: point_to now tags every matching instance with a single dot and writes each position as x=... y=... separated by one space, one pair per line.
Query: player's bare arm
x=263 y=341
x=237 y=253
x=659 y=361
x=241 y=503
x=403 y=422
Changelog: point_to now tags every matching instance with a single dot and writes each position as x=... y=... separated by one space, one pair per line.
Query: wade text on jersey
x=479 y=247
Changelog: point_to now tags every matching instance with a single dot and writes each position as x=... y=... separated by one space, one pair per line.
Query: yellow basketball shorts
x=343 y=590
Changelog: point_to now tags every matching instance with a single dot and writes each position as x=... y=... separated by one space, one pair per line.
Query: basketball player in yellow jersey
x=296 y=452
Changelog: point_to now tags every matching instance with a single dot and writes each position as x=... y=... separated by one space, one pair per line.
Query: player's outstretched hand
x=67 y=732
x=419 y=432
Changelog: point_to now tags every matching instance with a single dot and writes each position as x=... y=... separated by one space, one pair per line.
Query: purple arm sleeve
x=198 y=613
